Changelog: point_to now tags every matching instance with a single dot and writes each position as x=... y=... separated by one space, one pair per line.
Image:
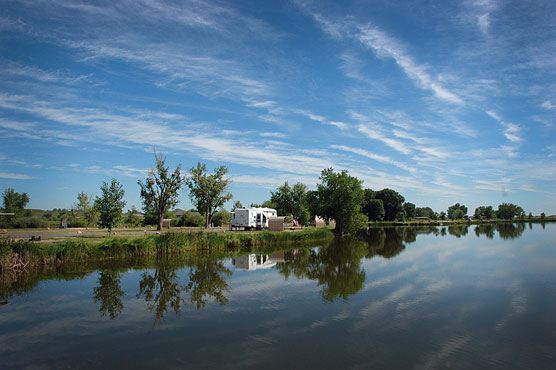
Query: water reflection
x=168 y=284
x=251 y=262
x=164 y=289
x=486 y=230
x=458 y=230
x=207 y=280
x=510 y=231
x=337 y=267
x=161 y=290
x=109 y=294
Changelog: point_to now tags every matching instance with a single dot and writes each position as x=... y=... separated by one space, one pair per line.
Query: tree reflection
x=510 y=231
x=207 y=279
x=486 y=230
x=387 y=242
x=109 y=294
x=337 y=267
x=163 y=289
x=458 y=230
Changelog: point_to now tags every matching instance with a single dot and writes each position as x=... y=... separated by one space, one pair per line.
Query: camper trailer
x=252 y=218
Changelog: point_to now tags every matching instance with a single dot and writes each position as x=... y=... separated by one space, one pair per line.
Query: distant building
x=178 y=212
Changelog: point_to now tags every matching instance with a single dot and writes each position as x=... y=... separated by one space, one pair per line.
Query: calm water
x=433 y=298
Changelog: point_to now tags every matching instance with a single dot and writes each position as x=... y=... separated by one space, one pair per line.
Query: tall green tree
x=340 y=197
x=291 y=201
x=392 y=202
x=453 y=212
x=409 y=209
x=424 y=212
x=208 y=192
x=110 y=204
x=14 y=202
x=508 y=211
x=160 y=190
x=374 y=210
x=85 y=204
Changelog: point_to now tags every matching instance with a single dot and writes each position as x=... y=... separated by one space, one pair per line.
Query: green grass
x=170 y=243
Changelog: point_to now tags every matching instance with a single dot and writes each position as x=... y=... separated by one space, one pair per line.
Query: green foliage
x=208 y=192
x=237 y=204
x=457 y=214
x=372 y=208
x=110 y=204
x=292 y=201
x=191 y=219
x=484 y=212
x=86 y=207
x=409 y=209
x=132 y=219
x=508 y=211
x=13 y=203
x=340 y=197
x=442 y=215
x=453 y=215
x=160 y=190
x=392 y=202
x=222 y=218
x=425 y=212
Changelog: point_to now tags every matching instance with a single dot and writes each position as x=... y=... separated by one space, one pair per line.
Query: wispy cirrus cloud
x=376 y=157
x=512 y=131
x=321 y=119
x=385 y=46
x=15 y=176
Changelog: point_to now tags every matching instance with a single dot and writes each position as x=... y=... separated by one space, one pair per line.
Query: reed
x=16 y=255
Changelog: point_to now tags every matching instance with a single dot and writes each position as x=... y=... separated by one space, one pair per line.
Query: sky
x=442 y=101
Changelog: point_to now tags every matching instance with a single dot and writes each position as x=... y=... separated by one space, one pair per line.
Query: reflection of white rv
x=252 y=218
x=252 y=262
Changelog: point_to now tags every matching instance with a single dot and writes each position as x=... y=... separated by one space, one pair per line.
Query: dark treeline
x=338 y=197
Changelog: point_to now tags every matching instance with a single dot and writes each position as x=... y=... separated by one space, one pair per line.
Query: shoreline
x=20 y=254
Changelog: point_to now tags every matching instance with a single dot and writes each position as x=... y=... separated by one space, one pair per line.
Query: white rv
x=252 y=218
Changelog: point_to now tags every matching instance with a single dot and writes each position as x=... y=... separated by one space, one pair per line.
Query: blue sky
x=442 y=101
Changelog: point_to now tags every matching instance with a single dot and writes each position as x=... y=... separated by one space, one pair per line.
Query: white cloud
x=15 y=176
x=371 y=132
x=512 y=131
x=376 y=157
x=384 y=46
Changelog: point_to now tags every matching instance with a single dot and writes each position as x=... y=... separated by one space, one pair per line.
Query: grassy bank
x=21 y=254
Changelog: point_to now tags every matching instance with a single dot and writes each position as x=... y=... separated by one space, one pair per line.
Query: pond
x=423 y=298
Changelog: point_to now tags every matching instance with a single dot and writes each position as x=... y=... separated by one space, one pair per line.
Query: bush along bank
x=18 y=255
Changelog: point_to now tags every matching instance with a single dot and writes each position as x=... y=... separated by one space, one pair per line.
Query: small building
x=178 y=212
x=277 y=223
x=166 y=222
